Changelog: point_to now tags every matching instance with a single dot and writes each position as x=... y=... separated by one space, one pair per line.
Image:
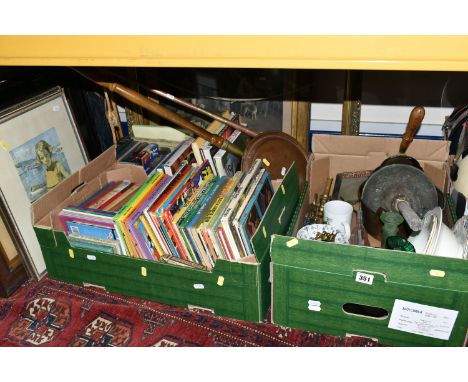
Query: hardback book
x=91 y=230
x=153 y=212
x=244 y=201
x=131 y=247
x=192 y=227
x=173 y=203
x=162 y=214
x=118 y=201
x=97 y=195
x=224 y=230
x=207 y=190
x=226 y=163
x=146 y=246
x=183 y=152
x=212 y=218
x=214 y=128
x=182 y=217
x=171 y=211
x=205 y=216
x=254 y=211
x=95 y=244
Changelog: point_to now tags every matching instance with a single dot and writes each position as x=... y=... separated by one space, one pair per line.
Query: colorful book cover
x=127 y=209
x=194 y=229
x=135 y=225
x=212 y=225
x=82 y=229
x=95 y=196
x=108 y=246
x=226 y=163
x=151 y=211
x=246 y=197
x=183 y=152
x=254 y=211
x=113 y=200
x=108 y=196
x=172 y=203
x=214 y=128
x=189 y=188
x=230 y=211
x=190 y=209
x=207 y=190
x=122 y=198
x=212 y=215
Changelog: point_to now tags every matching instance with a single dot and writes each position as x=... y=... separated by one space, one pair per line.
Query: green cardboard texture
x=318 y=286
x=235 y=289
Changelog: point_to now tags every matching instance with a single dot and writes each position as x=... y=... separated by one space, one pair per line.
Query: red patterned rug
x=52 y=313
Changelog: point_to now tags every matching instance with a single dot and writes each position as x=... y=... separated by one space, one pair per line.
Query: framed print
x=39 y=147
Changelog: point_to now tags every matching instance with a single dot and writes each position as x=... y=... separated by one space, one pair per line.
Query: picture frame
x=39 y=147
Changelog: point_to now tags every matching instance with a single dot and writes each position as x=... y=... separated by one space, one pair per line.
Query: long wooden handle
x=219 y=118
x=152 y=106
x=414 y=123
x=179 y=101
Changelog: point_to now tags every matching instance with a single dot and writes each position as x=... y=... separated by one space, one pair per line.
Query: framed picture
x=39 y=147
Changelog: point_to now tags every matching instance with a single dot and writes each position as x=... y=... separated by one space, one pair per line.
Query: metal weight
x=391 y=183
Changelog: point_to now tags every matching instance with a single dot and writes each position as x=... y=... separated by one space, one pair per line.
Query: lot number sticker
x=364 y=278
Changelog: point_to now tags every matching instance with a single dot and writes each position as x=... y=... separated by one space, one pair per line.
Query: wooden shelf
x=427 y=53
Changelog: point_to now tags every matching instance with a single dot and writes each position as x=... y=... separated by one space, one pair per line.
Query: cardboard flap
x=278 y=214
x=428 y=150
x=46 y=203
x=98 y=165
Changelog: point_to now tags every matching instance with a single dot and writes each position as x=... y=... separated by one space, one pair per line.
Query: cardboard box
x=235 y=289
x=398 y=298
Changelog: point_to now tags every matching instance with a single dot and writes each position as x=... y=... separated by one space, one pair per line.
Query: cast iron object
x=278 y=151
x=414 y=123
x=391 y=183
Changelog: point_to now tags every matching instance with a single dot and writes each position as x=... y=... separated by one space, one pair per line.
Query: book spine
x=220 y=157
x=109 y=196
x=176 y=158
x=109 y=186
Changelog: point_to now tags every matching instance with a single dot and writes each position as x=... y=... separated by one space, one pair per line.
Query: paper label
x=424 y=320
x=364 y=278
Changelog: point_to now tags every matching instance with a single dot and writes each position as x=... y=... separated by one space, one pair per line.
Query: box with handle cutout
x=238 y=289
x=398 y=298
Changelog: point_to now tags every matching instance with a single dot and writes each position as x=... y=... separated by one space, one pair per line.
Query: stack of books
x=151 y=156
x=192 y=210
x=194 y=217
x=90 y=225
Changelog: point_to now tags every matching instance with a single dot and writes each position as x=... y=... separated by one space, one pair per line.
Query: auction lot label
x=424 y=320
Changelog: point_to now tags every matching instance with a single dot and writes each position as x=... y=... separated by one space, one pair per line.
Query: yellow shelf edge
x=448 y=53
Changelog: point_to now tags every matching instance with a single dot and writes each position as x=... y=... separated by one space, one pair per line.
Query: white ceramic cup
x=338 y=214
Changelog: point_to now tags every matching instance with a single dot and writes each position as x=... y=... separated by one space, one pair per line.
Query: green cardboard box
x=397 y=298
x=235 y=289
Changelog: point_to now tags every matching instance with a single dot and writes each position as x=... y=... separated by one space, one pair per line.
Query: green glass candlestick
x=391 y=220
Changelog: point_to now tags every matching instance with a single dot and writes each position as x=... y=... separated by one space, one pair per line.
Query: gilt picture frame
x=39 y=147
